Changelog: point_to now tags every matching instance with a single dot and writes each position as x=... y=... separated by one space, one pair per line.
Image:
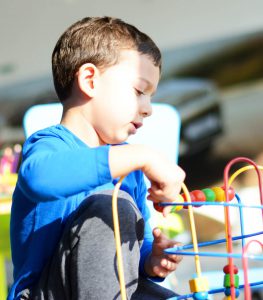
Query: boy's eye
x=138 y=92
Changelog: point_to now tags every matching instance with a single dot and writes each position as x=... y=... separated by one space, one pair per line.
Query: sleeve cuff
x=103 y=167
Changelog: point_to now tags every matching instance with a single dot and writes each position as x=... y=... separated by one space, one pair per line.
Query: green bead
x=227 y=280
x=210 y=195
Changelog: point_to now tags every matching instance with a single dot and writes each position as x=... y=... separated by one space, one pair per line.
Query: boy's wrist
x=147 y=266
x=148 y=271
x=126 y=158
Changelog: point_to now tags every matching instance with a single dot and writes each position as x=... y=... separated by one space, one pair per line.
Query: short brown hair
x=98 y=41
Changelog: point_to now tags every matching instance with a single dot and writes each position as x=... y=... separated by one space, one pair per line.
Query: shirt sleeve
x=146 y=247
x=51 y=170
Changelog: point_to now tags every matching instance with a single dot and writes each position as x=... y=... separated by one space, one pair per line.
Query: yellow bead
x=220 y=194
x=179 y=199
x=199 y=284
x=171 y=226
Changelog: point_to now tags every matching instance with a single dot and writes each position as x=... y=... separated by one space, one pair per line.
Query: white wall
x=30 y=28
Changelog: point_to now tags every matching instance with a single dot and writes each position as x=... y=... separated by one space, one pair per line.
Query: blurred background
x=212 y=73
x=212 y=65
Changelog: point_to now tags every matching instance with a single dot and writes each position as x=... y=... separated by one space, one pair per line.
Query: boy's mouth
x=137 y=125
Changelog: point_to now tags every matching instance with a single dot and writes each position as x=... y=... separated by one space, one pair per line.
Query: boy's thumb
x=157 y=233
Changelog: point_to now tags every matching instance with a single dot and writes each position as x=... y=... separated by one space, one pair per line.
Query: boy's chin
x=119 y=140
x=113 y=140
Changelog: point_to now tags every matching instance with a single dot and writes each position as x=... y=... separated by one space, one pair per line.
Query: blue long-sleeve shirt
x=57 y=173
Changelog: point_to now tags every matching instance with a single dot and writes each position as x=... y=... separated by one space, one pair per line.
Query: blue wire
x=241 y=221
x=219 y=241
x=209 y=204
x=212 y=254
x=217 y=291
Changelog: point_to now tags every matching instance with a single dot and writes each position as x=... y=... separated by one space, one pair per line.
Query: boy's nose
x=146 y=109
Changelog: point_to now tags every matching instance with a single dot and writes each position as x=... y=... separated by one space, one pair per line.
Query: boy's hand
x=166 y=180
x=158 y=263
x=166 y=177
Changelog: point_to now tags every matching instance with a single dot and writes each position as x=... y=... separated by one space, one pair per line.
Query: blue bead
x=200 y=296
x=228 y=292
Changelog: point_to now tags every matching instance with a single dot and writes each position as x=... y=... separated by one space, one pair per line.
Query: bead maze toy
x=216 y=196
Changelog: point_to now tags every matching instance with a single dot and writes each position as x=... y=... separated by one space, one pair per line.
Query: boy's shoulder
x=50 y=135
x=51 y=131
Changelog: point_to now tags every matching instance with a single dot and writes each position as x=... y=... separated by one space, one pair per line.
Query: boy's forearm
x=127 y=158
x=165 y=176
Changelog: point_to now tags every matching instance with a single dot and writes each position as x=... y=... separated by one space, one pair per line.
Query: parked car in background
x=197 y=102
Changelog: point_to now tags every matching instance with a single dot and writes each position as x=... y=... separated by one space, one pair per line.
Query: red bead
x=185 y=200
x=199 y=196
x=226 y=269
x=231 y=192
x=158 y=207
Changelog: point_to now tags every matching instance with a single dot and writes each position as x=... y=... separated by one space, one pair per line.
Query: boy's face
x=123 y=97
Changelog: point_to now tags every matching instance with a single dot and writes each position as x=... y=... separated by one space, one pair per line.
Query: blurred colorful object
x=9 y=160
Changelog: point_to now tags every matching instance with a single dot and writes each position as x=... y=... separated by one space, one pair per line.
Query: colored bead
x=158 y=207
x=192 y=197
x=199 y=284
x=179 y=199
x=171 y=225
x=227 y=280
x=199 y=196
x=228 y=292
x=220 y=194
x=231 y=192
x=175 y=208
x=200 y=296
x=226 y=269
x=210 y=195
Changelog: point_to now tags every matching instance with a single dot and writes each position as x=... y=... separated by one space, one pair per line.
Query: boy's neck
x=76 y=119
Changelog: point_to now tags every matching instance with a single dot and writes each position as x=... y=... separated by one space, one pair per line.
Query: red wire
x=229 y=231
x=245 y=268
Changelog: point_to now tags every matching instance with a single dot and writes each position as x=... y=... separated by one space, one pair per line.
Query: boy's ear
x=86 y=79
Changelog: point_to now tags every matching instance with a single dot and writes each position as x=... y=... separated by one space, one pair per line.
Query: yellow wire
x=230 y=181
x=241 y=170
x=193 y=230
x=192 y=227
x=118 y=238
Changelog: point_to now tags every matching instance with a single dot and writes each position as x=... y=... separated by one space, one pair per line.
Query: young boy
x=105 y=72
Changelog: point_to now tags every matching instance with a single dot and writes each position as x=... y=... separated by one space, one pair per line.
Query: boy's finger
x=176 y=258
x=168 y=265
x=153 y=198
x=160 y=271
x=157 y=234
x=167 y=210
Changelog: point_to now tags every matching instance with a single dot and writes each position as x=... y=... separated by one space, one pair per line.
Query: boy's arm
x=47 y=174
x=165 y=177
